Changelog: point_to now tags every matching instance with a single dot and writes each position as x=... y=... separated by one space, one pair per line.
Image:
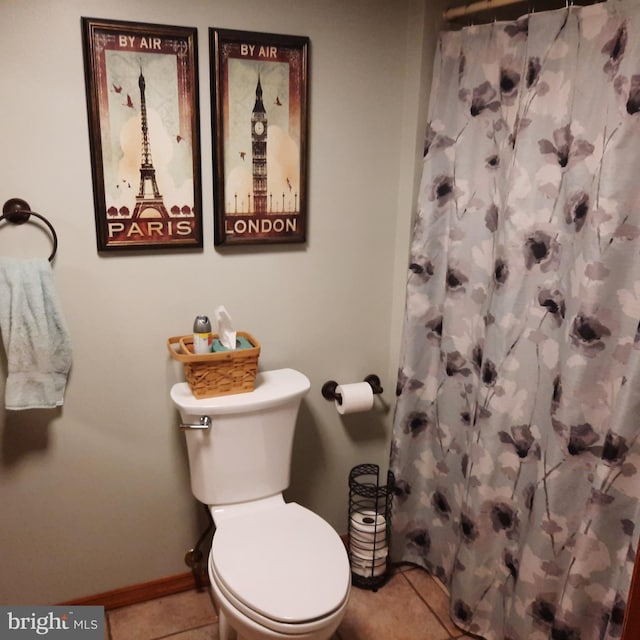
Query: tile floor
x=410 y=606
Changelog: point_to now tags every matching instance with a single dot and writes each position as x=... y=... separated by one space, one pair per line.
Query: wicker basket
x=220 y=373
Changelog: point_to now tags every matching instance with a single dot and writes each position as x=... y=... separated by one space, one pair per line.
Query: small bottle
x=202 y=335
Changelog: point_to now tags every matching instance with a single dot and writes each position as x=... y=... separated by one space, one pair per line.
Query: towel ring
x=17 y=211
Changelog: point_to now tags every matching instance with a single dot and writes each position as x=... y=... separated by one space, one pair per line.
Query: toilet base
x=225 y=630
x=235 y=625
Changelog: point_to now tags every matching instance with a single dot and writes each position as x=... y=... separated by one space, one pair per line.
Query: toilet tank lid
x=272 y=387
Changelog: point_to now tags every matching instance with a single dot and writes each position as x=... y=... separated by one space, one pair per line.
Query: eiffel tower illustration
x=149 y=202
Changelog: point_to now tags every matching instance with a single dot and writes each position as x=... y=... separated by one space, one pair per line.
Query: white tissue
x=370 y=552
x=367 y=567
x=368 y=548
x=368 y=521
x=226 y=332
x=363 y=538
x=356 y=397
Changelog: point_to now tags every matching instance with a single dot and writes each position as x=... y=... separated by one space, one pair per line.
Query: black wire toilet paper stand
x=369 y=525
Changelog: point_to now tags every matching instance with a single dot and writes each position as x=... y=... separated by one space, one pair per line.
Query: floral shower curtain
x=515 y=444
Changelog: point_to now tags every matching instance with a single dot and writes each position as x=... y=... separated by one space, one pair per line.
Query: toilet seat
x=284 y=567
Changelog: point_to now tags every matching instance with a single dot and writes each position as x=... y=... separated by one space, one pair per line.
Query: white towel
x=34 y=333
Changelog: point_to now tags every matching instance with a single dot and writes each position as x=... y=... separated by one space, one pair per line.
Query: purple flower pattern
x=516 y=444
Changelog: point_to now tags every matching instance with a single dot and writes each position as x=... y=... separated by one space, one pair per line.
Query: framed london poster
x=259 y=119
x=142 y=102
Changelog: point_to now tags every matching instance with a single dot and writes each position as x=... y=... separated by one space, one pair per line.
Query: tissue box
x=218 y=373
x=241 y=343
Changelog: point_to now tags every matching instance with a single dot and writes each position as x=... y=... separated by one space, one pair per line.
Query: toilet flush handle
x=205 y=423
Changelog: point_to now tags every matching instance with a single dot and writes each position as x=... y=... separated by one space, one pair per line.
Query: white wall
x=96 y=496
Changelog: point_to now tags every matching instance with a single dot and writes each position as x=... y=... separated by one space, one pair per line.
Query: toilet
x=277 y=570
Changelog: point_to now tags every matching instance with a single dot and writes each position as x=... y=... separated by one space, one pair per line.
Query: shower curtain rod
x=477 y=7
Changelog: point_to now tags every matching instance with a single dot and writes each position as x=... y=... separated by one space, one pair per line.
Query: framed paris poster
x=142 y=102
x=259 y=85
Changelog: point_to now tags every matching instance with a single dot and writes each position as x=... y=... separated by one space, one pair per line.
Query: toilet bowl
x=277 y=570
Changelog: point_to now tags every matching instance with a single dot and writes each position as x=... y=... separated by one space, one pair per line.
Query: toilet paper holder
x=329 y=388
x=369 y=531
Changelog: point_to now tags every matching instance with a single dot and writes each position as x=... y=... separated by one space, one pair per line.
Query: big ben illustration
x=259 y=152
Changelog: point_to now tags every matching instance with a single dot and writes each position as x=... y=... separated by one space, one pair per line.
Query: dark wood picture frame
x=141 y=84
x=259 y=93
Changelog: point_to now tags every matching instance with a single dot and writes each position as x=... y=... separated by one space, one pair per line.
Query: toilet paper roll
x=368 y=568
x=368 y=521
x=356 y=397
x=368 y=537
x=360 y=544
x=368 y=572
x=373 y=552
x=367 y=562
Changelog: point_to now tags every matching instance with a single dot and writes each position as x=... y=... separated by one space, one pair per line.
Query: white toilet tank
x=245 y=454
